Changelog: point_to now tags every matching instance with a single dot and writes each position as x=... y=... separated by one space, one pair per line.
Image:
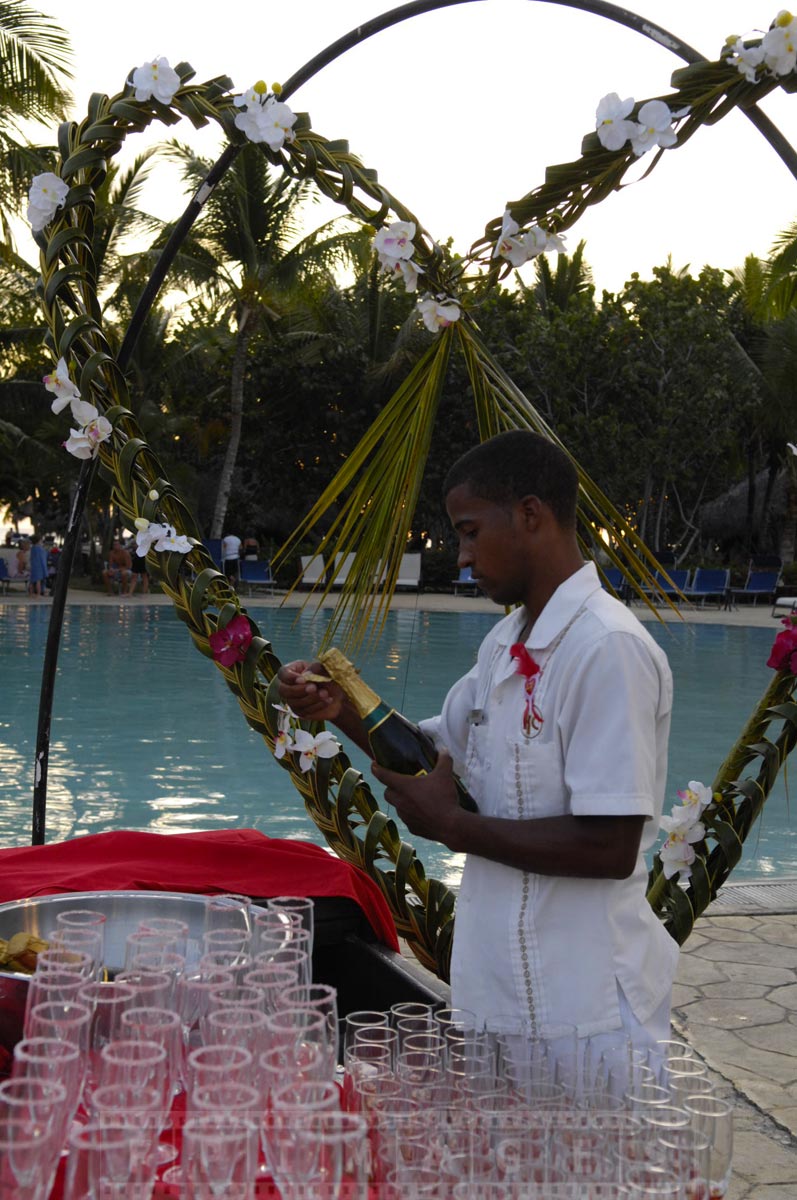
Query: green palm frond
x=34 y=53
x=783 y=255
x=377 y=489
x=118 y=215
x=782 y=296
x=373 y=495
x=572 y=277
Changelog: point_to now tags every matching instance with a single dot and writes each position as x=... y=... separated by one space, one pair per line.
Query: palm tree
x=250 y=253
x=555 y=289
x=35 y=57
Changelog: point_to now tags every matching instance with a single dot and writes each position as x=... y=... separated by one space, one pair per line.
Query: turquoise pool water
x=147 y=736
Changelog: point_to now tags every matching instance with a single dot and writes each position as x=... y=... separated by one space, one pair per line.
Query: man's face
x=491 y=543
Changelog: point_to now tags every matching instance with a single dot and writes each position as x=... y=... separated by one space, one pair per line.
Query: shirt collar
x=560 y=609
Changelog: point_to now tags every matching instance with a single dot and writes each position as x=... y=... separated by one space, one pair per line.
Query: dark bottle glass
x=395 y=742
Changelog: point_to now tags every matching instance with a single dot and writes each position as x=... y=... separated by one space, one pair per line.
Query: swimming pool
x=146 y=734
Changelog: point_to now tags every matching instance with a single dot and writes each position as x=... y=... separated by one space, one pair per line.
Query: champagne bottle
x=395 y=742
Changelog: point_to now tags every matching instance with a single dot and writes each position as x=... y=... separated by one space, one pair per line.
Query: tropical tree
x=684 y=376
x=556 y=288
x=35 y=57
x=261 y=270
x=765 y=298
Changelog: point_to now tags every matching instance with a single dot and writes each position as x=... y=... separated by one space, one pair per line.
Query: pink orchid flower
x=230 y=644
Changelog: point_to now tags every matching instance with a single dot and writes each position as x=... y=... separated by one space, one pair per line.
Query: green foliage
x=35 y=59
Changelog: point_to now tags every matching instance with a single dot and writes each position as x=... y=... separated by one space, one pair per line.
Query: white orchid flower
x=682 y=826
x=286 y=716
x=746 y=59
x=677 y=853
x=323 y=745
x=156 y=79
x=277 y=123
x=62 y=387
x=655 y=127
x=779 y=44
x=438 y=312
x=47 y=194
x=178 y=543
x=515 y=250
x=85 y=442
x=509 y=227
x=254 y=95
x=556 y=241
x=518 y=247
x=409 y=271
x=677 y=858
x=268 y=121
x=149 y=532
x=394 y=241
x=283 y=743
x=610 y=121
x=83 y=412
x=695 y=797
x=792 y=447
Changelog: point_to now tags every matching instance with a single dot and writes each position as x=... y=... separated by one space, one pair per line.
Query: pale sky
x=462 y=109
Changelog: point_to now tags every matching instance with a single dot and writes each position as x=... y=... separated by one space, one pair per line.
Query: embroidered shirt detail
x=522 y=913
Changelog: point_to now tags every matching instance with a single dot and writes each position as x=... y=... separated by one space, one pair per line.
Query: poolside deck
x=735 y=998
x=745 y=614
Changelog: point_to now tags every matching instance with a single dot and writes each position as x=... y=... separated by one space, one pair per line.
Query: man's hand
x=310 y=701
x=427 y=804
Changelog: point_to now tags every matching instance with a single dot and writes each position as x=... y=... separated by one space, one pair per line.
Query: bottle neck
x=373 y=719
x=367 y=703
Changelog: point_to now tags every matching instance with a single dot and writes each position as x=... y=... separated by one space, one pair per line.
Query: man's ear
x=532 y=509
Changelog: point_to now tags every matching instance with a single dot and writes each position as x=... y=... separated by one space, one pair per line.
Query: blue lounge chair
x=213 y=547
x=613 y=578
x=464 y=581
x=758 y=583
x=708 y=583
x=256 y=574
x=672 y=582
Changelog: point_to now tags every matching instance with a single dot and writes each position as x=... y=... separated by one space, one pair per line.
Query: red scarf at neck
x=530 y=670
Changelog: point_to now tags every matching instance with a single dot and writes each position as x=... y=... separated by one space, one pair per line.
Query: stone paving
x=735 y=1002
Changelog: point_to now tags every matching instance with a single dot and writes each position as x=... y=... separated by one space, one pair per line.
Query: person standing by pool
x=230 y=556
x=37 y=582
x=23 y=559
x=560 y=734
x=118 y=570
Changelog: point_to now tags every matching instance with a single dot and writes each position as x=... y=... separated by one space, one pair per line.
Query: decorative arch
x=336 y=796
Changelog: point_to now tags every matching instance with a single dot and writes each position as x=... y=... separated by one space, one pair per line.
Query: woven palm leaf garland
x=335 y=795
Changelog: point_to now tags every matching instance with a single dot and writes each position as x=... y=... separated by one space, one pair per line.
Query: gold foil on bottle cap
x=346 y=675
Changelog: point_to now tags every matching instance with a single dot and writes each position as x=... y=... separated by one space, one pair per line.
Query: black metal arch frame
x=601 y=8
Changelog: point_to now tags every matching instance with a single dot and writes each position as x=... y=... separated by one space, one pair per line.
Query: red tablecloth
x=235 y=860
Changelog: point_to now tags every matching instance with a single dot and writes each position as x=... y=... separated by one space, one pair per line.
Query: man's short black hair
x=519 y=463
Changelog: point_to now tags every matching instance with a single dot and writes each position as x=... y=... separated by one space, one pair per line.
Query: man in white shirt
x=230 y=556
x=566 y=761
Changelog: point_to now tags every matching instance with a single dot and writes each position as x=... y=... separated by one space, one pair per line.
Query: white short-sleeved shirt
x=543 y=948
x=230 y=546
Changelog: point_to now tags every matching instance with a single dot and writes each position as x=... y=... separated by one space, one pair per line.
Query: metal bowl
x=124 y=911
